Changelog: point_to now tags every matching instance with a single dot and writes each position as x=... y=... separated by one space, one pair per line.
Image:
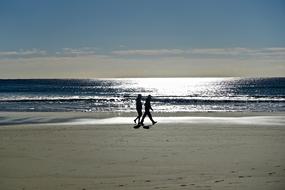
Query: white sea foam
x=253 y=120
x=248 y=120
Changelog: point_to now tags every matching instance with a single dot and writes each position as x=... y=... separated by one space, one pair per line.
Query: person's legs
x=139 y=116
x=143 y=117
x=135 y=120
x=150 y=117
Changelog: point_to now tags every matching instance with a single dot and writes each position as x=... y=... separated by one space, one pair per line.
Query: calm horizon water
x=118 y=95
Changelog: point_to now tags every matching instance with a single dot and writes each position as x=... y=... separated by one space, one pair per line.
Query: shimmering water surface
x=169 y=94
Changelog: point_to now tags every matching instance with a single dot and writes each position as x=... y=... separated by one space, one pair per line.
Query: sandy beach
x=205 y=154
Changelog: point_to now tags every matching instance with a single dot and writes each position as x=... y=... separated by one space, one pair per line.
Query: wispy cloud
x=77 y=51
x=237 y=52
x=99 y=66
x=23 y=53
x=273 y=52
x=243 y=52
x=276 y=53
x=34 y=53
x=149 y=52
x=222 y=51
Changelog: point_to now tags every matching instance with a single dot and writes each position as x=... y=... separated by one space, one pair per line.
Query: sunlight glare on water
x=176 y=86
x=119 y=94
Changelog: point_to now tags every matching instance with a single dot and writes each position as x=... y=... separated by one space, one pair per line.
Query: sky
x=141 y=38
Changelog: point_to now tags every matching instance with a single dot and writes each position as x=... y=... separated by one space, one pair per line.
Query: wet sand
x=205 y=155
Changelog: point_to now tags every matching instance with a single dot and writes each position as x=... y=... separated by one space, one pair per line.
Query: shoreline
x=107 y=118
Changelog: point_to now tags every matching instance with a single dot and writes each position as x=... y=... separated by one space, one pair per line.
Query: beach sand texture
x=166 y=156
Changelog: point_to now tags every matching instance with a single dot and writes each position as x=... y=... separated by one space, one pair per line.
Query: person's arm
x=150 y=107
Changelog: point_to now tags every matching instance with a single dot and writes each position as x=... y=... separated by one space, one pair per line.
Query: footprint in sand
x=271 y=173
x=235 y=182
x=242 y=176
x=217 y=181
x=160 y=187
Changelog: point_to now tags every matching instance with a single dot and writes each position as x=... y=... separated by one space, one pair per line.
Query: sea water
x=119 y=94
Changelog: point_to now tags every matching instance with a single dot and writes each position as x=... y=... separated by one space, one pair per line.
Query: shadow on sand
x=144 y=126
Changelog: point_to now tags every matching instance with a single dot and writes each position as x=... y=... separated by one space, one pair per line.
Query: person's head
x=149 y=97
x=139 y=96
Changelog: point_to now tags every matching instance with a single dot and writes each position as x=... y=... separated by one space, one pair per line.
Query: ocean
x=119 y=94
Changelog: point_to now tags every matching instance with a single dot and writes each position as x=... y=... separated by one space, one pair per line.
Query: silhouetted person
x=139 y=108
x=147 y=108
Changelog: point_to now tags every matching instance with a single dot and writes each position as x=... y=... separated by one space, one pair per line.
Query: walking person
x=138 y=108
x=148 y=107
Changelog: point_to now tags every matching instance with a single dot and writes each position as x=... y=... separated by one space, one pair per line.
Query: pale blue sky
x=135 y=29
x=107 y=24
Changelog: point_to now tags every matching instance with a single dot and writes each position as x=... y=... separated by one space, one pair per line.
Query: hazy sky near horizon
x=141 y=38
